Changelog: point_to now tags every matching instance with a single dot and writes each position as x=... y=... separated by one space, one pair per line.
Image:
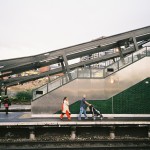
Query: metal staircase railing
x=85 y=73
x=145 y=51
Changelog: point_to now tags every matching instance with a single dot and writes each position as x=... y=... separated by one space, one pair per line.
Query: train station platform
x=24 y=120
x=17 y=118
x=16 y=108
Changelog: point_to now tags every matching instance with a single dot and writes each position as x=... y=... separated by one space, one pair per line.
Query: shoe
x=69 y=118
x=79 y=118
x=86 y=118
x=60 y=118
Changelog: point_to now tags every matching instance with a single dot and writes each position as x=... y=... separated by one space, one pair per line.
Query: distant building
x=44 y=69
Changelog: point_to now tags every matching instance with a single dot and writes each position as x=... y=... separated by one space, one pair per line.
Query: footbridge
x=126 y=43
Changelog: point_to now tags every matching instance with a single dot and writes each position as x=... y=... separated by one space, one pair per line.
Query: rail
x=74 y=145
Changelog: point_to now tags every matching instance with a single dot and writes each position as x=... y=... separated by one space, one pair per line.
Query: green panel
x=75 y=107
x=105 y=106
x=134 y=100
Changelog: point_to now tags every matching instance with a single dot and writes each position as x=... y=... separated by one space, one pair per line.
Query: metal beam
x=67 y=66
x=29 y=66
x=91 y=47
x=59 y=70
x=135 y=44
x=14 y=81
x=53 y=56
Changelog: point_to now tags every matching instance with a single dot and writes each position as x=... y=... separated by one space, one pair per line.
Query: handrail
x=137 y=55
x=100 y=73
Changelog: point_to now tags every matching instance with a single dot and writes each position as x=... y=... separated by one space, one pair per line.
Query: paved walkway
x=17 y=107
x=24 y=118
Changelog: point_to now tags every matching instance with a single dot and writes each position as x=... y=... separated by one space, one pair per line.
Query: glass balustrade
x=148 y=51
x=127 y=60
x=111 y=69
x=83 y=72
x=74 y=74
x=124 y=62
x=97 y=73
x=55 y=84
x=40 y=91
x=139 y=54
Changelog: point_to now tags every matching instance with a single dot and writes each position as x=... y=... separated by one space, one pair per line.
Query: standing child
x=65 y=109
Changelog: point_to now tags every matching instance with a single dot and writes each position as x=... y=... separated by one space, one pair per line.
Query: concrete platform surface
x=17 y=107
x=25 y=119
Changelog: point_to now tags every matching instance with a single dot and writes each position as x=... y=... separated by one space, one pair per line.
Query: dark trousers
x=6 y=109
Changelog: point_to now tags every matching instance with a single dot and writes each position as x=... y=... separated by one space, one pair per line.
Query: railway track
x=74 y=145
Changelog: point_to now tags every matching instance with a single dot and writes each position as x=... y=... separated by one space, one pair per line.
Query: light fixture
x=116 y=50
x=112 y=80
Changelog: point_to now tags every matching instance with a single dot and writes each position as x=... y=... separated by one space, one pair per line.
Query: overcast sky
x=30 y=27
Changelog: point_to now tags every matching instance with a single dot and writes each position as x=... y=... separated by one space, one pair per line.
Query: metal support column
x=32 y=133
x=73 y=133
x=149 y=132
x=135 y=44
x=5 y=90
x=62 y=64
x=63 y=67
x=113 y=60
x=112 y=132
x=121 y=55
x=64 y=71
x=0 y=90
x=67 y=66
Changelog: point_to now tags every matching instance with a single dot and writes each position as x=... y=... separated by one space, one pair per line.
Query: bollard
x=112 y=132
x=32 y=133
x=73 y=133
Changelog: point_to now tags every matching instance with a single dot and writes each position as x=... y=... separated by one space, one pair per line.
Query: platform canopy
x=131 y=41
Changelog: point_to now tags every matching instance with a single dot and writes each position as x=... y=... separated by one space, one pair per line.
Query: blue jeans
x=82 y=110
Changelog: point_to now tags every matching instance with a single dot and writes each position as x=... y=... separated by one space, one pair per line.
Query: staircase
x=97 y=84
x=89 y=73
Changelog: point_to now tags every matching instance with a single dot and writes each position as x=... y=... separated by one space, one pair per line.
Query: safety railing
x=91 y=72
x=127 y=61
